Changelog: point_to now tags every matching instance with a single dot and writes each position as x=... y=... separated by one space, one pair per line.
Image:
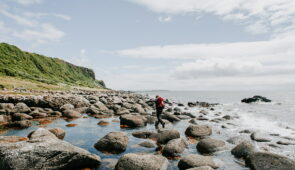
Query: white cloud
x=27 y=2
x=274 y=12
x=164 y=19
x=40 y=15
x=80 y=60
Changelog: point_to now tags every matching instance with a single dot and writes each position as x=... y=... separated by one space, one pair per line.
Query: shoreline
x=118 y=103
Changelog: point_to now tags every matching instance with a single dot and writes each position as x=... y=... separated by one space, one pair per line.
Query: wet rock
x=175 y=147
x=101 y=106
x=191 y=104
x=122 y=111
x=192 y=161
x=58 y=132
x=71 y=114
x=20 y=124
x=243 y=149
x=133 y=120
x=198 y=131
x=109 y=163
x=21 y=108
x=177 y=109
x=285 y=143
x=204 y=112
x=259 y=137
x=45 y=151
x=67 y=106
x=38 y=115
x=166 y=135
x=144 y=134
x=113 y=142
x=56 y=114
x=237 y=139
x=255 y=99
x=193 y=121
x=201 y=168
x=227 y=117
x=189 y=114
x=210 y=145
x=269 y=161
x=170 y=117
x=138 y=108
x=245 y=131
x=136 y=161
x=151 y=119
x=183 y=117
x=103 y=123
x=21 y=116
x=148 y=144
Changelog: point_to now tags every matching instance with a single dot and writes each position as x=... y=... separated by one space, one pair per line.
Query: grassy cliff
x=30 y=66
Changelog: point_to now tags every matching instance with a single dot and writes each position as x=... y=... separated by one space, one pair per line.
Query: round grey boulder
x=71 y=114
x=21 y=108
x=20 y=116
x=198 y=131
x=166 y=135
x=148 y=144
x=243 y=149
x=175 y=147
x=192 y=161
x=133 y=120
x=136 y=161
x=58 y=132
x=210 y=145
x=144 y=134
x=113 y=142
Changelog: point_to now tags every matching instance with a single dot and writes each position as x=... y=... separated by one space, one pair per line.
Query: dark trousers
x=159 y=112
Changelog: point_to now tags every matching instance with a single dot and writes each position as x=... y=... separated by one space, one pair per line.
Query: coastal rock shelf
x=115 y=130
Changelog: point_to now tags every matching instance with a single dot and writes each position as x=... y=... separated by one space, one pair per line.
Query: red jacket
x=160 y=102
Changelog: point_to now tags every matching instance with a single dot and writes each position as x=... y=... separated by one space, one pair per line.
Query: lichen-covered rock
x=136 y=161
x=175 y=147
x=198 y=131
x=192 y=161
x=210 y=145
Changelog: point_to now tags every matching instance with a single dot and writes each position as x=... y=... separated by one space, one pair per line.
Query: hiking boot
x=163 y=125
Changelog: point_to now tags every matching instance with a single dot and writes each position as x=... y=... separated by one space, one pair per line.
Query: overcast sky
x=162 y=44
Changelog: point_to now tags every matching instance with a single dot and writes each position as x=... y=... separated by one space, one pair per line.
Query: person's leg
x=159 y=117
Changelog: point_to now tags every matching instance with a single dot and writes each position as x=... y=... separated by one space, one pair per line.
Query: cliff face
x=17 y=63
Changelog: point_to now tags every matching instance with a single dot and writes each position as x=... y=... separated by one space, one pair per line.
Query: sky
x=162 y=44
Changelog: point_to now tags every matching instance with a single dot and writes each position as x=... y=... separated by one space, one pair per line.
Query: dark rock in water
x=148 y=144
x=227 y=117
x=183 y=117
x=166 y=135
x=285 y=143
x=175 y=147
x=20 y=116
x=210 y=145
x=177 y=109
x=243 y=149
x=144 y=134
x=269 y=161
x=193 y=121
x=38 y=115
x=189 y=114
x=255 y=99
x=142 y=161
x=237 y=139
x=170 y=117
x=192 y=161
x=45 y=151
x=201 y=168
x=191 y=104
x=113 y=142
x=20 y=124
x=259 y=137
x=198 y=131
x=133 y=120
x=58 y=132
x=71 y=114
x=245 y=131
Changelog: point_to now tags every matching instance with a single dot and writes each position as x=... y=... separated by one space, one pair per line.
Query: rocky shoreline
x=45 y=148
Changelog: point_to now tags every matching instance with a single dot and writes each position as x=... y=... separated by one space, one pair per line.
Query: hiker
x=159 y=109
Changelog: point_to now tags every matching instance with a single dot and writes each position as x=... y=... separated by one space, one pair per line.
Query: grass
x=38 y=68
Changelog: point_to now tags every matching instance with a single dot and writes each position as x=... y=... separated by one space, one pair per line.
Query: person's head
x=157 y=96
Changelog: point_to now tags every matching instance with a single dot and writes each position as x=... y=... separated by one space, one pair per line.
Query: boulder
x=133 y=120
x=166 y=135
x=122 y=111
x=101 y=106
x=20 y=124
x=144 y=134
x=259 y=137
x=38 y=115
x=71 y=114
x=45 y=151
x=21 y=108
x=67 y=107
x=138 y=108
x=201 y=168
x=170 y=117
x=20 y=116
x=235 y=140
x=113 y=142
x=210 y=145
x=192 y=161
x=193 y=121
x=147 y=144
x=175 y=147
x=136 y=161
x=269 y=161
x=198 y=131
x=243 y=149
x=58 y=132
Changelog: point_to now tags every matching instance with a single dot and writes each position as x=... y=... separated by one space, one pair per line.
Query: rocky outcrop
x=113 y=142
x=45 y=151
x=255 y=99
x=136 y=161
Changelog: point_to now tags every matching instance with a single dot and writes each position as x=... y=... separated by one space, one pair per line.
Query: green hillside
x=17 y=63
